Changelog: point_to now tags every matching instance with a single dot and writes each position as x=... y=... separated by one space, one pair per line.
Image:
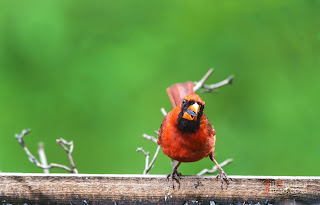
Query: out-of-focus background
x=96 y=72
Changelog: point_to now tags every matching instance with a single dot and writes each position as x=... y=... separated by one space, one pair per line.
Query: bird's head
x=191 y=111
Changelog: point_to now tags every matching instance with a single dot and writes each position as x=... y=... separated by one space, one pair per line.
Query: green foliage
x=96 y=72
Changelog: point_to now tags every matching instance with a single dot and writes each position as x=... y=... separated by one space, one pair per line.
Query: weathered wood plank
x=18 y=188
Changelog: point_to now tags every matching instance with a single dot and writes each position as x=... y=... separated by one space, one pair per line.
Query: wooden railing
x=20 y=188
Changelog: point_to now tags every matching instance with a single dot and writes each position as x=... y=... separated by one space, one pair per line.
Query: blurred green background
x=96 y=72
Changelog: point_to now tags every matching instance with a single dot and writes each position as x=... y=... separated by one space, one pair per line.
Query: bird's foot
x=223 y=177
x=174 y=176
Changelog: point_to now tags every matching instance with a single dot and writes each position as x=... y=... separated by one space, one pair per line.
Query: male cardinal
x=186 y=134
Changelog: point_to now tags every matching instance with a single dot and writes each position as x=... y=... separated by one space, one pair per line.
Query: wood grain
x=18 y=188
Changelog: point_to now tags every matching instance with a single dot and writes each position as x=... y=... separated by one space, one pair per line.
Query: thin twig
x=33 y=160
x=149 y=137
x=147 y=154
x=43 y=158
x=146 y=171
x=20 y=137
x=213 y=87
x=163 y=111
x=214 y=168
x=62 y=142
x=200 y=84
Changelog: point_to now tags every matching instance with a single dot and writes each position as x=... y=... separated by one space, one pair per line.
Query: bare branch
x=214 y=168
x=33 y=160
x=200 y=84
x=20 y=137
x=163 y=111
x=62 y=142
x=147 y=154
x=151 y=138
x=213 y=87
x=54 y=165
x=146 y=171
x=43 y=158
x=140 y=149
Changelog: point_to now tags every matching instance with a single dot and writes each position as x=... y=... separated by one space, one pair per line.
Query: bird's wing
x=161 y=130
x=178 y=91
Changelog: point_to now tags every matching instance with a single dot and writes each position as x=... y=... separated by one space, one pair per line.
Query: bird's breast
x=185 y=147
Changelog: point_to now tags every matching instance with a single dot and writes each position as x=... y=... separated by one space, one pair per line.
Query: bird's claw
x=223 y=177
x=175 y=175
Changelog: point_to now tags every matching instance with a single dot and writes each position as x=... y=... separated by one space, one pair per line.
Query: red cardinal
x=186 y=134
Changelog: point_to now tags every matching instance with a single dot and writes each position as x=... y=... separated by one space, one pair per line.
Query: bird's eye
x=183 y=102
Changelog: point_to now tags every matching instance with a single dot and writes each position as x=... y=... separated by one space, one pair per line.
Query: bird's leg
x=222 y=175
x=175 y=163
x=175 y=175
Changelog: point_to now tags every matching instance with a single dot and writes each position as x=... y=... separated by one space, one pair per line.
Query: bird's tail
x=178 y=91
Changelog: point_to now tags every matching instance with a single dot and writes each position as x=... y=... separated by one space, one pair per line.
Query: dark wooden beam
x=19 y=188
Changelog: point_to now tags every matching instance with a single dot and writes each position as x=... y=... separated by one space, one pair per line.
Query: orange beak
x=192 y=112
